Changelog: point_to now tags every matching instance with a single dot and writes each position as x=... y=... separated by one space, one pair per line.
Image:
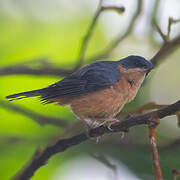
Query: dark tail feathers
x=25 y=94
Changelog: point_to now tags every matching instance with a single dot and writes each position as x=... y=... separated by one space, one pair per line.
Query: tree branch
x=168 y=46
x=153 y=143
x=163 y=36
x=114 y=43
x=165 y=50
x=153 y=18
x=40 y=158
x=171 y=21
x=41 y=71
x=52 y=71
x=38 y=118
x=88 y=35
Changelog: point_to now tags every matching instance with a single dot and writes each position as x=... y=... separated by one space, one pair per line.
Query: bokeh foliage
x=28 y=41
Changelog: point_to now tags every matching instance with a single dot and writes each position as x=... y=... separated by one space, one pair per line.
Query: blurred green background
x=50 y=32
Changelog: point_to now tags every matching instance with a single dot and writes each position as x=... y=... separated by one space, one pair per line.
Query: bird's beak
x=147 y=70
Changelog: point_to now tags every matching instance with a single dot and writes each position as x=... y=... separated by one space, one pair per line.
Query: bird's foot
x=112 y=122
x=153 y=122
x=86 y=124
x=97 y=139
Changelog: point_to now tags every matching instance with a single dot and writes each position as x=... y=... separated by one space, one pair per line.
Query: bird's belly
x=100 y=104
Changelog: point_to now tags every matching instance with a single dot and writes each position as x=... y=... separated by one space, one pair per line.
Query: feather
x=90 y=78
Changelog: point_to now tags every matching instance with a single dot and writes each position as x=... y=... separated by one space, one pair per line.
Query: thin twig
x=163 y=36
x=153 y=19
x=155 y=156
x=41 y=158
x=165 y=50
x=171 y=21
x=38 y=118
x=118 y=9
x=41 y=71
x=88 y=35
x=169 y=26
x=168 y=46
x=178 y=118
x=120 y=37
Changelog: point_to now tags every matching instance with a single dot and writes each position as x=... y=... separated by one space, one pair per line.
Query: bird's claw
x=109 y=127
x=113 y=121
x=153 y=122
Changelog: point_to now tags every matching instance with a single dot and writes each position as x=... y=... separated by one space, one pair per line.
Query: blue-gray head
x=131 y=62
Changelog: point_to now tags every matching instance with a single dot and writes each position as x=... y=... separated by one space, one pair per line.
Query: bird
x=97 y=92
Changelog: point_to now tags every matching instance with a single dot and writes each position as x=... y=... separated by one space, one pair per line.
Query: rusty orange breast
x=103 y=103
x=108 y=102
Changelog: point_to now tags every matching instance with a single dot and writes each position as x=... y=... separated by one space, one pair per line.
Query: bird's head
x=136 y=62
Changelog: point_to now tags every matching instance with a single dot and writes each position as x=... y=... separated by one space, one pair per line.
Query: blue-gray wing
x=93 y=77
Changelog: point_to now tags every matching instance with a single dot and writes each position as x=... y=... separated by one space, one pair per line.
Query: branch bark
x=38 y=118
x=165 y=50
x=154 y=149
x=41 y=71
x=41 y=157
x=91 y=28
x=168 y=46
